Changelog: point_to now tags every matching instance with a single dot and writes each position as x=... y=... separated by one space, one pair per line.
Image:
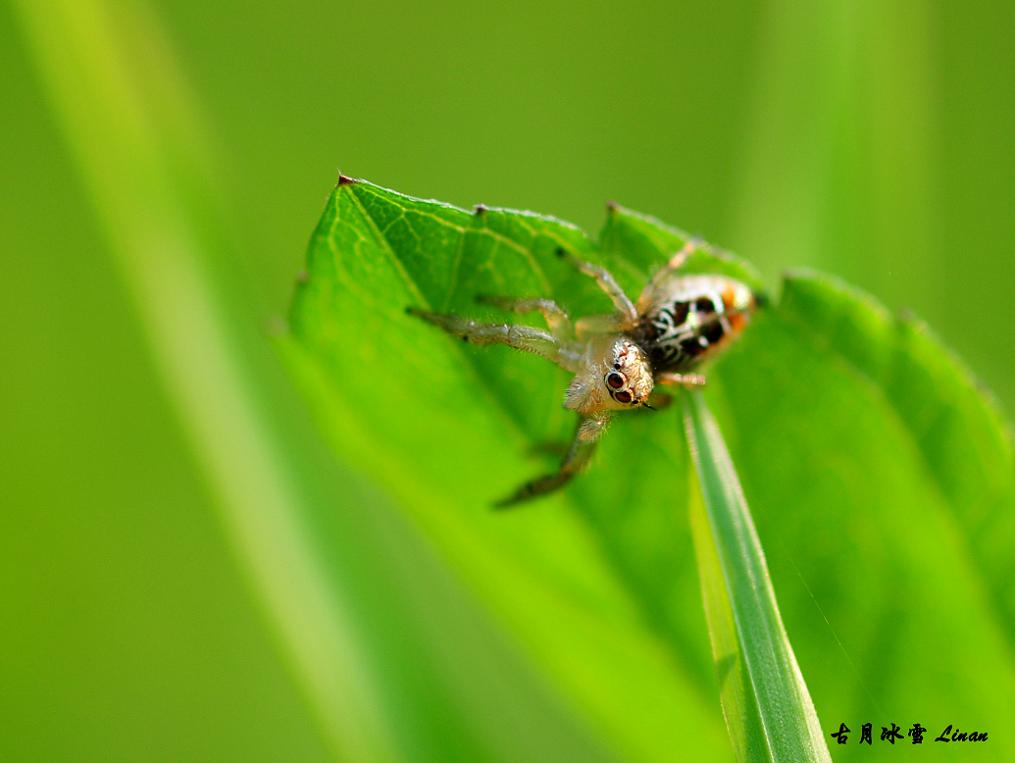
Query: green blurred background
x=869 y=139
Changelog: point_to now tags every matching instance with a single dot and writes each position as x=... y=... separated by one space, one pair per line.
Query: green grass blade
x=200 y=345
x=762 y=687
x=740 y=711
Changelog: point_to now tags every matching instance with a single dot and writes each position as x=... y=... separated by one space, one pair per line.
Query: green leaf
x=767 y=706
x=445 y=430
x=880 y=480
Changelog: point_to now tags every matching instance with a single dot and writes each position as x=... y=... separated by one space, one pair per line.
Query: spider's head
x=615 y=375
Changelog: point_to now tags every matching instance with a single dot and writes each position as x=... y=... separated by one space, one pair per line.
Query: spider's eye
x=615 y=380
x=623 y=397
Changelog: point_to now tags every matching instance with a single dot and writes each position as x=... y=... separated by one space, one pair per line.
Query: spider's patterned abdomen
x=686 y=318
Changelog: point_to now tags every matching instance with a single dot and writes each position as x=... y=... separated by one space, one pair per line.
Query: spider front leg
x=525 y=338
x=607 y=283
x=590 y=429
x=556 y=317
x=680 y=380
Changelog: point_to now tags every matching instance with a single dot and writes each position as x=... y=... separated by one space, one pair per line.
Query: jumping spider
x=678 y=321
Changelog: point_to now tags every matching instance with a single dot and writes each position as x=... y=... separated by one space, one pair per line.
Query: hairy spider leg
x=525 y=338
x=675 y=263
x=586 y=436
x=591 y=325
x=556 y=317
x=607 y=283
x=680 y=380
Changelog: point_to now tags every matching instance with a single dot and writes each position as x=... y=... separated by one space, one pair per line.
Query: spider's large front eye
x=622 y=397
x=615 y=380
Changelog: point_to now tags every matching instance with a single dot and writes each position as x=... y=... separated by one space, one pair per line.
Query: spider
x=677 y=322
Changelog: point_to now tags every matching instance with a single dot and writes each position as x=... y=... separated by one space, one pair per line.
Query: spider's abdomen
x=687 y=318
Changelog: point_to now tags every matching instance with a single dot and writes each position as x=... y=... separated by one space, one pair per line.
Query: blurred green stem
x=125 y=151
x=841 y=155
